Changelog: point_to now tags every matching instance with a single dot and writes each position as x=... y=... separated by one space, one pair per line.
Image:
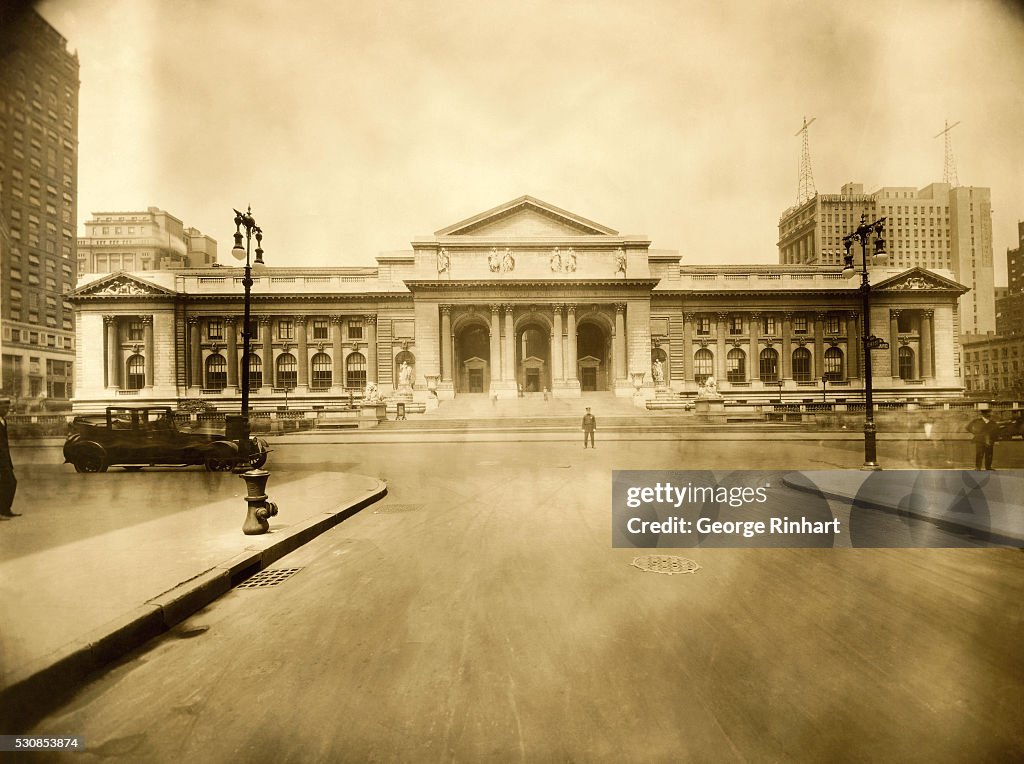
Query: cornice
x=444 y=284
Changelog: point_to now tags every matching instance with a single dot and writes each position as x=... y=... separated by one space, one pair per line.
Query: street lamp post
x=824 y=379
x=246 y=220
x=867 y=233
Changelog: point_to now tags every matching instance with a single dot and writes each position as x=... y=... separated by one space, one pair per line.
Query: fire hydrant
x=259 y=508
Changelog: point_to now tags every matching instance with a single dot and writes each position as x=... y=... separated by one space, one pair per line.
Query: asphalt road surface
x=479 y=613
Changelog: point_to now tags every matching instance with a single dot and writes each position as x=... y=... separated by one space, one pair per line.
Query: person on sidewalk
x=8 y=483
x=983 y=429
x=589 y=425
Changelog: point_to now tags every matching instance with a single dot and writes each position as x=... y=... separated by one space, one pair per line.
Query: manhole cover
x=268 y=578
x=660 y=563
x=391 y=509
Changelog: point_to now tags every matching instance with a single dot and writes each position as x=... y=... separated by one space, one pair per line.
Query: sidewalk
x=987 y=504
x=69 y=609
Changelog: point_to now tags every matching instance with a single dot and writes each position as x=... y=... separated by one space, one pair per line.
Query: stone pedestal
x=710 y=409
x=370 y=414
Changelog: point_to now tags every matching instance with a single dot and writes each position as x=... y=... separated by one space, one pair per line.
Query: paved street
x=480 y=613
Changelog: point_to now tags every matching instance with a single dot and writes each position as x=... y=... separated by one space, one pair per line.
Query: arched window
x=135 y=378
x=703 y=365
x=834 y=365
x=355 y=370
x=906 y=359
x=255 y=371
x=736 y=366
x=802 y=365
x=321 y=371
x=769 y=363
x=216 y=372
x=286 y=371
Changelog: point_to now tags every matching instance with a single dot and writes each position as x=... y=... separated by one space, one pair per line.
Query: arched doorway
x=472 y=365
x=593 y=354
x=533 y=358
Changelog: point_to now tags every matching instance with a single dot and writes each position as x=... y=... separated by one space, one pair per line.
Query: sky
x=353 y=127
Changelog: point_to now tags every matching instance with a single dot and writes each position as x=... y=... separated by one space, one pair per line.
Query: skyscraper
x=938 y=227
x=38 y=189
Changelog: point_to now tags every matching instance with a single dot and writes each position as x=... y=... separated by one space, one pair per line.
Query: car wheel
x=90 y=458
x=220 y=460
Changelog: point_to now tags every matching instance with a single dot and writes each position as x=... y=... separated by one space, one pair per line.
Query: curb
x=50 y=681
x=943 y=523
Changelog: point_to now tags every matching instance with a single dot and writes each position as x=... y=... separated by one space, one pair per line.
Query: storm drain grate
x=661 y=563
x=269 y=577
x=392 y=509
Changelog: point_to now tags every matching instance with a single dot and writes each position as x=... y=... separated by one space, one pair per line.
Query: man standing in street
x=984 y=431
x=8 y=483
x=589 y=425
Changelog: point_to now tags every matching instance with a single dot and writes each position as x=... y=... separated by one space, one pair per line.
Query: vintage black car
x=143 y=436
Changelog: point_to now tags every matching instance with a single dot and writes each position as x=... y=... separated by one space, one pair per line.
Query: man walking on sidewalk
x=589 y=425
x=8 y=483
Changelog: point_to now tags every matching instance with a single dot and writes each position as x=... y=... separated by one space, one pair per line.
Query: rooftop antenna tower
x=806 y=190
x=949 y=172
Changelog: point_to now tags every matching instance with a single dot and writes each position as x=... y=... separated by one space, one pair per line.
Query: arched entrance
x=533 y=358
x=472 y=365
x=593 y=356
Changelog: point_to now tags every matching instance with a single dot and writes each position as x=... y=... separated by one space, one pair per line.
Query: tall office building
x=38 y=189
x=1010 y=307
x=145 y=241
x=938 y=227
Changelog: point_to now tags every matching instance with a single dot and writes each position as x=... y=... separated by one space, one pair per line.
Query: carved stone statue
x=371 y=394
x=443 y=261
x=405 y=374
x=556 y=260
x=709 y=390
x=620 y=261
x=658 y=372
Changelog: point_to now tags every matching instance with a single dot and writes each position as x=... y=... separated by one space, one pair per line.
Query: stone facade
x=522 y=299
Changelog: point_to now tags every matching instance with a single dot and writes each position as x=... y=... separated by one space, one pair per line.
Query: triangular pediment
x=122 y=285
x=919 y=280
x=526 y=217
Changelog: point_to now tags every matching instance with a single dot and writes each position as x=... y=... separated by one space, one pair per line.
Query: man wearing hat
x=984 y=431
x=8 y=483
x=589 y=425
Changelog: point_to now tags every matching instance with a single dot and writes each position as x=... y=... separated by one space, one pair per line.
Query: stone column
x=620 y=342
x=570 y=350
x=927 y=370
x=231 y=338
x=508 y=372
x=688 y=319
x=446 y=343
x=720 y=374
x=147 y=338
x=195 y=353
x=787 y=347
x=495 y=362
x=268 y=352
x=113 y=352
x=754 y=364
x=557 y=370
x=337 y=353
x=819 y=346
x=370 y=321
x=852 y=345
x=894 y=342
x=302 y=353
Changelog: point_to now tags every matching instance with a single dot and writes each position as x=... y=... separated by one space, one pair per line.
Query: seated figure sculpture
x=709 y=390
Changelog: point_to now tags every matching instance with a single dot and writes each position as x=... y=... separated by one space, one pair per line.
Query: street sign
x=877 y=343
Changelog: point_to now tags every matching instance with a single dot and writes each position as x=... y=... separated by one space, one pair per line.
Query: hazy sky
x=352 y=127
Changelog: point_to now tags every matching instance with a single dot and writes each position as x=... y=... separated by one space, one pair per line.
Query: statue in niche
x=658 y=372
x=508 y=262
x=620 y=261
x=405 y=375
x=444 y=262
x=569 y=263
x=556 y=260
x=494 y=261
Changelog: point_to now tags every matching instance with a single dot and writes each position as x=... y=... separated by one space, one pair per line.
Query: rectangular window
x=320 y=329
x=286 y=329
x=800 y=324
x=735 y=325
x=703 y=325
x=768 y=326
x=135 y=331
x=832 y=324
x=355 y=329
x=215 y=329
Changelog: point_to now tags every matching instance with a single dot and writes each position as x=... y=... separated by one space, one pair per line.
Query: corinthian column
x=195 y=351
x=231 y=338
x=446 y=343
x=620 y=341
x=927 y=368
x=509 y=368
x=571 y=344
x=894 y=342
x=302 y=352
x=370 y=320
x=495 y=338
x=557 y=370
x=147 y=337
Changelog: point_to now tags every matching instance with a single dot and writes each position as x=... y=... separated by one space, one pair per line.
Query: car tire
x=90 y=457
x=220 y=460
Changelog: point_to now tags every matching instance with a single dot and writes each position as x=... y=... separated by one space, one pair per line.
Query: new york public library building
x=524 y=299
